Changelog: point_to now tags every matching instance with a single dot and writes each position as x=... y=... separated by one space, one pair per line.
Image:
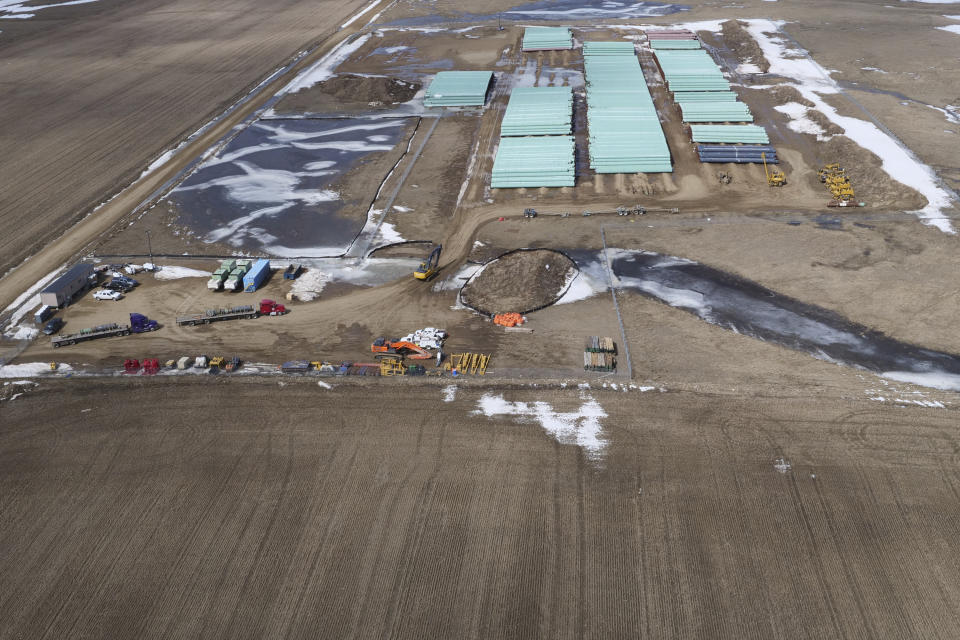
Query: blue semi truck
x=139 y=323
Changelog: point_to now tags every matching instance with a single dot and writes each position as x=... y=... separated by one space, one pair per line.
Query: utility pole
x=499 y=24
x=149 y=247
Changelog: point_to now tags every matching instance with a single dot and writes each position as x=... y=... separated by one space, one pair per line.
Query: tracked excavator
x=384 y=348
x=429 y=267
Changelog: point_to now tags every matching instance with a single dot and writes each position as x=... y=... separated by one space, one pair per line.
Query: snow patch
x=324 y=385
x=799 y=121
x=170 y=272
x=449 y=393
x=29 y=369
x=323 y=69
x=581 y=427
x=310 y=284
x=21 y=332
x=945 y=381
x=814 y=82
x=952 y=28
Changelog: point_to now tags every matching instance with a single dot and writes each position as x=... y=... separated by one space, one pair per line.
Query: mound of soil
x=519 y=282
x=350 y=91
x=742 y=43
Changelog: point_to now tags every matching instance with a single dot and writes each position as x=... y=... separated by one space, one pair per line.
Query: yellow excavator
x=775 y=178
x=429 y=267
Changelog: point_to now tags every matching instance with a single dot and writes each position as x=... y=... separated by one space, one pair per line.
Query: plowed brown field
x=175 y=509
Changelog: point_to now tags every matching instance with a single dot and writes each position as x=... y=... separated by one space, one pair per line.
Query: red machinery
x=399 y=347
x=151 y=366
x=131 y=365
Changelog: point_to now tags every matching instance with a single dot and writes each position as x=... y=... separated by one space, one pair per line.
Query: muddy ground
x=519 y=282
x=223 y=516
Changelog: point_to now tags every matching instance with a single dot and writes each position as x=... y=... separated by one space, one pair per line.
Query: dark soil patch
x=784 y=93
x=349 y=90
x=742 y=43
x=519 y=282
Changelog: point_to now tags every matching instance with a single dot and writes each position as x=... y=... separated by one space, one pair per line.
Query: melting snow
x=581 y=428
x=814 y=81
x=19 y=9
x=29 y=369
x=323 y=69
x=946 y=381
x=952 y=28
x=170 y=272
x=450 y=393
x=799 y=121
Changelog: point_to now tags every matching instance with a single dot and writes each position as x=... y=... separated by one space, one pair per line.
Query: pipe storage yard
x=670 y=34
x=458 y=89
x=692 y=70
x=729 y=133
x=625 y=135
x=546 y=38
x=538 y=111
x=536 y=161
x=715 y=112
x=739 y=154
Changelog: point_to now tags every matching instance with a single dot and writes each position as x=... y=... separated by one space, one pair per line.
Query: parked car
x=53 y=326
x=107 y=294
x=125 y=280
x=117 y=285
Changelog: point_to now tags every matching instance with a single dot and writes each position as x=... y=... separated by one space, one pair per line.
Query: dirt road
x=92 y=124
x=171 y=509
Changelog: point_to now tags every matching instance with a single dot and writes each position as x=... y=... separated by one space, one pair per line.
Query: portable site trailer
x=64 y=288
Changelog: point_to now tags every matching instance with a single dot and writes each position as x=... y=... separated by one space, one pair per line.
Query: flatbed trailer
x=267 y=308
x=139 y=323
x=101 y=331
x=216 y=315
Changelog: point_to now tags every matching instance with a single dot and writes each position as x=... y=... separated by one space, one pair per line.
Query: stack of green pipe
x=625 y=135
x=692 y=70
x=675 y=44
x=619 y=48
x=546 y=38
x=542 y=161
x=704 y=96
x=729 y=133
x=538 y=111
x=458 y=89
x=715 y=112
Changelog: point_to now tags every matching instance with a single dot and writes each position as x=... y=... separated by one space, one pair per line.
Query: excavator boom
x=428 y=268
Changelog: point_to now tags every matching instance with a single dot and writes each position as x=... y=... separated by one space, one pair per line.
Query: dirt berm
x=349 y=91
x=519 y=282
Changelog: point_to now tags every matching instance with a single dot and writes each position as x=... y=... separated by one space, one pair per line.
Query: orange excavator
x=383 y=348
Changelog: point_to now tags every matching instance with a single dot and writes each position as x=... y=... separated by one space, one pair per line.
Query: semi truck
x=139 y=323
x=267 y=308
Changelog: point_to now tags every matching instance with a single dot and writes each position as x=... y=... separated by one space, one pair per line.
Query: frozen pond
x=274 y=187
x=566 y=10
x=744 y=306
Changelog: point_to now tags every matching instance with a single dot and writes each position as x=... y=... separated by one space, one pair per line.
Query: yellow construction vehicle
x=775 y=178
x=829 y=170
x=392 y=367
x=429 y=267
